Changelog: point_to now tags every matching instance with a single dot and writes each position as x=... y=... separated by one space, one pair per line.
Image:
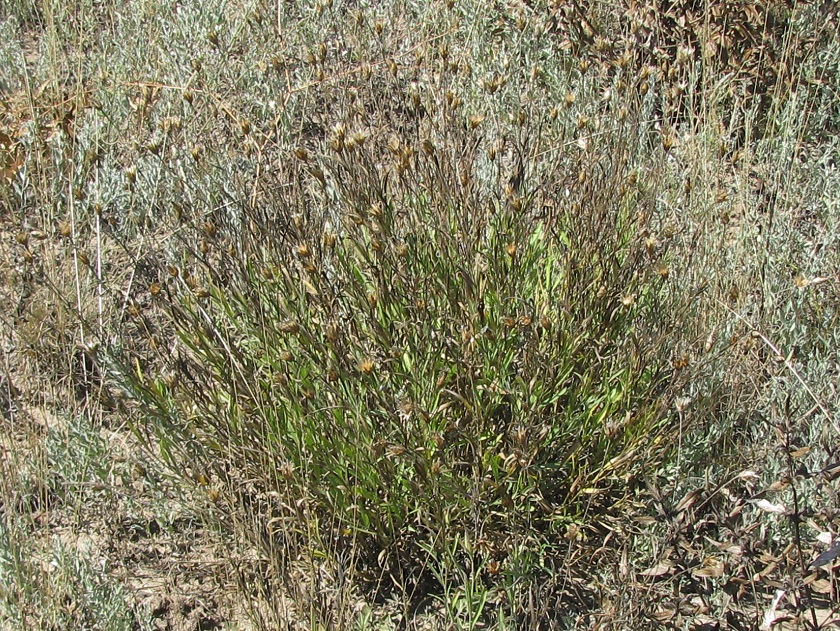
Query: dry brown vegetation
x=442 y=315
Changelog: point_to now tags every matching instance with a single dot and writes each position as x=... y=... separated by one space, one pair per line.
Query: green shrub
x=417 y=363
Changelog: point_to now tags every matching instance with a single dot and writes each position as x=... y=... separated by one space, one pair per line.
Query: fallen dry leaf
x=660 y=569
x=769 y=507
x=711 y=568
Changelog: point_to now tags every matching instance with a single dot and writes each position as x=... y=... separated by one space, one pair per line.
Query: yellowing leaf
x=660 y=569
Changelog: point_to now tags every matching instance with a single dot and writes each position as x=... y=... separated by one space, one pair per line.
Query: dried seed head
x=303 y=251
x=452 y=100
x=289 y=326
x=628 y=300
x=287 y=470
x=684 y=54
x=329 y=240
x=302 y=154
x=214 y=495
x=154 y=289
x=337 y=138
x=209 y=228
x=356 y=139
x=22 y=237
x=366 y=366
x=662 y=270
x=475 y=120
x=625 y=60
x=395 y=451
x=154 y=146
x=372 y=299
x=332 y=332
x=428 y=147
x=286 y=356
x=510 y=248
x=65 y=229
x=569 y=99
x=131 y=173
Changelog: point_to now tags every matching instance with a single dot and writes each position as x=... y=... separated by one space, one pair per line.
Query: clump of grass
x=424 y=353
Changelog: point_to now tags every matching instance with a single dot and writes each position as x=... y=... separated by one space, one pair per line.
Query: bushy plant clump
x=423 y=358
